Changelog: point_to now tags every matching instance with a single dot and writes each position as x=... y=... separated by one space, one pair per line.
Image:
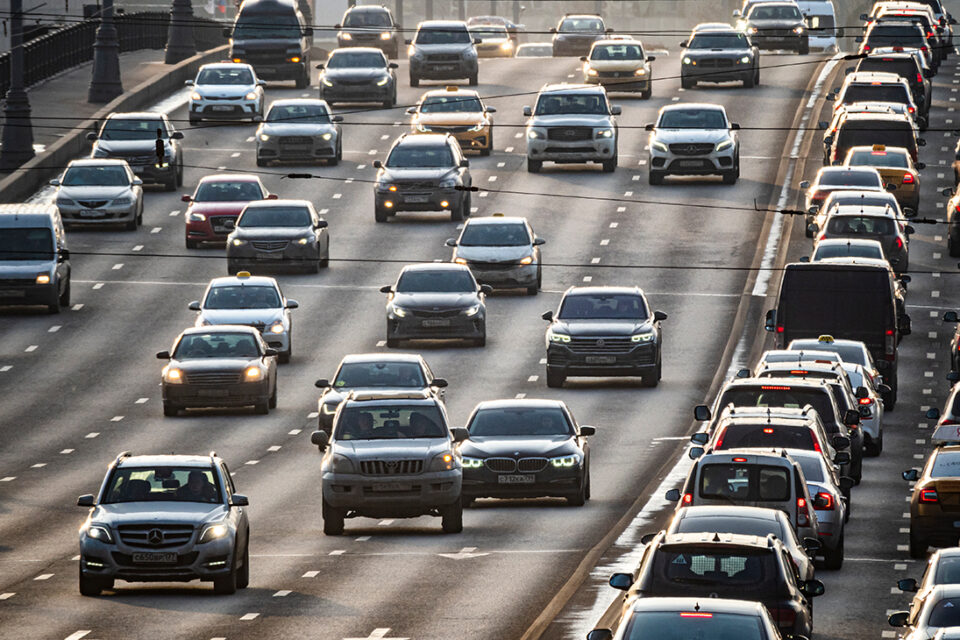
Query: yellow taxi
x=456 y=111
x=896 y=166
x=935 y=503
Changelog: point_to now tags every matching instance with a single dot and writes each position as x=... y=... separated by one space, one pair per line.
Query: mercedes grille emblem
x=155 y=536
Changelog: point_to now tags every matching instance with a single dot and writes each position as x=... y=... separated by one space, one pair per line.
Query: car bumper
x=780 y=42
x=224 y=109
x=213 y=229
x=277 y=149
x=80 y=216
x=939 y=530
x=717 y=73
x=388 y=45
x=392 y=496
x=580 y=151
x=356 y=93
x=626 y=82
x=829 y=530
x=240 y=394
x=712 y=163
x=458 y=326
x=154 y=174
x=443 y=70
x=27 y=293
x=469 y=140
x=292 y=254
x=193 y=561
x=505 y=275
x=483 y=483
x=417 y=200
x=280 y=70
x=640 y=360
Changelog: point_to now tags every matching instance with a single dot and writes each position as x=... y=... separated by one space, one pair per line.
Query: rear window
x=742 y=525
x=861 y=226
x=774 y=395
x=812 y=469
x=946 y=613
x=948 y=571
x=694 y=624
x=859 y=178
x=946 y=465
x=744 y=482
x=904 y=67
x=728 y=569
x=875 y=93
x=866 y=133
x=737 y=436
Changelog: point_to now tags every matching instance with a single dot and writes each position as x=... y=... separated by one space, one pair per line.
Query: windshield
x=489 y=32
x=586 y=25
x=450 y=104
x=675 y=625
x=420 y=157
x=860 y=225
x=617 y=52
x=750 y=482
x=738 y=436
x=600 y=306
x=405 y=375
x=358 y=422
x=849 y=179
x=552 y=104
x=520 y=421
x=495 y=235
x=297 y=113
x=274 y=217
x=948 y=570
x=905 y=67
x=439 y=281
x=875 y=93
x=122 y=129
x=774 y=395
x=946 y=613
x=162 y=484
x=228 y=192
x=760 y=12
x=879 y=159
x=367 y=19
x=728 y=569
x=106 y=176
x=718 y=41
x=452 y=35
x=356 y=60
x=848 y=353
x=856 y=250
x=242 y=297
x=693 y=119
x=26 y=243
x=271 y=27
x=225 y=76
x=946 y=465
x=216 y=345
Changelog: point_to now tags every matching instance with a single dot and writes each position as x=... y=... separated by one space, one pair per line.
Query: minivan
x=34 y=259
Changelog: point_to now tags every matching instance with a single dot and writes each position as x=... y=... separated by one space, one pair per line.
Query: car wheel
x=335 y=160
x=489 y=149
x=534 y=166
x=303 y=80
x=833 y=560
x=380 y=215
x=243 y=576
x=262 y=408
x=170 y=410
x=194 y=121
x=645 y=95
x=262 y=163
x=456 y=213
x=467 y=502
x=730 y=177
x=451 y=517
x=65 y=296
x=609 y=166
x=655 y=177
x=874 y=447
x=414 y=81
x=653 y=379
x=918 y=548
x=473 y=81
x=580 y=497
x=131 y=224
x=192 y=244
x=91 y=586
x=180 y=175
x=54 y=307
x=313 y=266
x=756 y=78
x=533 y=290
x=555 y=379
x=749 y=82
x=273 y=396
x=332 y=519
x=227 y=585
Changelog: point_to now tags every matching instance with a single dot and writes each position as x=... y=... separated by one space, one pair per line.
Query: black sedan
x=360 y=74
x=526 y=449
x=222 y=366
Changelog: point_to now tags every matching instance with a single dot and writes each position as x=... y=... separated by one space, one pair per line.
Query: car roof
x=412 y=358
x=828 y=170
x=728 y=510
x=230 y=177
x=837 y=341
x=356 y=49
x=878 y=115
x=436 y=24
x=874 y=262
x=227 y=281
x=602 y=290
x=303 y=101
x=777 y=382
x=135 y=115
x=405 y=396
x=714 y=26
x=872 y=77
x=221 y=328
x=776 y=455
x=422 y=139
x=560 y=87
x=496 y=220
x=704 y=605
x=456 y=91
x=435 y=266
x=286 y=202
x=898 y=150
x=367 y=8
x=681 y=106
x=226 y=65
x=97 y=162
x=25 y=214
x=799 y=355
x=182 y=460
x=529 y=403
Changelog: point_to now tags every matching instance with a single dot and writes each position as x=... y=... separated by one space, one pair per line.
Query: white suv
x=694 y=139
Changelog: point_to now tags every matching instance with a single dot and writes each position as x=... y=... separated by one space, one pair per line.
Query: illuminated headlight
x=340 y=464
x=253 y=374
x=383 y=81
x=640 y=72
x=264 y=137
x=687 y=60
x=745 y=59
x=400 y=312
x=196 y=217
x=173 y=375
x=751 y=30
x=565 y=462
x=534 y=134
x=196 y=96
x=659 y=146
x=460 y=260
x=239 y=242
x=472 y=463
x=251 y=96
x=99 y=532
x=604 y=133
x=506 y=46
x=306 y=240
x=326 y=82
x=385 y=35
x=386 y=186
x=43 y=278
x=558 y=337
x=726 y=144
x=527 y=260
x=412 y=52
x=592 y=72
x=213 y=532
x=443 y=462
x=449 y=183
x=472 y=311
x=276 y=327
x=798 y=29
x=346 y=36
x=642 y=337
x=327 y=136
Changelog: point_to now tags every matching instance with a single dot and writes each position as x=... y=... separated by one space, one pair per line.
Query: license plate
x=525 y=478
x=416 y=199
x=269 y=256
x=439 y=322
x=691 y=163
x=391 y=486
x=444 y=67
x=222 y=229
x=12 y=293
x=220 y=107
x=140 y=168
x=600 y=359
x=213 y=393
x=91 y=213
x=154 y=557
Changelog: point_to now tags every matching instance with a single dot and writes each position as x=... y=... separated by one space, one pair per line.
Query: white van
x=821 y=19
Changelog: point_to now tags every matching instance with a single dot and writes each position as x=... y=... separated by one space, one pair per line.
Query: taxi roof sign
x=452 y=87
x=879 y=147
x=825 y=338
x=243 y=274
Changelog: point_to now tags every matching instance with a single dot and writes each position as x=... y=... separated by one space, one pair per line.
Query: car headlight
x=326 y=82
x=506 y=46
x=386 y=186
x=604 y=133
x=460 y=260
x=277 y=327
x=400 y=312
x=687 y=60
x=99 y=532
x=725 y=144
x=251 y=96
x=642 y=337
x=196 y=96
x=172 y=375
x=238 y=242
x=659 y=146
x=558 y=337
x=472 y=311
x=472 y=463
x=196 y=217
x=100 y=153
x=592 y=72
x=640 y=72
x=327 y=136
x=346 y=36
x=565 y=462
x=745 y=59
x=534 y=134
x=478 y=127
x=124 y=201
x=264 y=137
x=385 y=35
x=443 y=462
x=527 y=259
x=448 y=183
x=751 y=30
x=412 y=52
x=798 y=29
x=253 y=374
x=214 y=532
x=340 y=464
x=43 y=278
x=382 y=81
x=306 y=240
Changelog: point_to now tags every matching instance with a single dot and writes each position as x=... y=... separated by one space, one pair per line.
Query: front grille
x=447 y=313
x=213 y=377
x=601 y=345
x=155 y=536
x=132 y=160
x=223 y=224
x=442 y=129
x=715 y=63
x=501 y=465
x=390 y=467
x=444 y=57
x=355 y=83
x=415 y=186
x=269 y=245
x=569 y=134
x=531 y=465
x=764 y=33
x=691 y=149
x=494 y=266
x=16 y=282
x=268 y=56
x=296 y=140
x=617 y=74
x=92 y=204
x=223 y=98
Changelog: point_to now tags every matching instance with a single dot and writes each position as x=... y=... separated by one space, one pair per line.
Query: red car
x=215 y=205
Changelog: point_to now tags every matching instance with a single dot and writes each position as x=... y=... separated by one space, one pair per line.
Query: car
x=950 y=416
x=495 y=40
x=719 y=55
x=870 y=406
x=935 y=489
x=423 y=173
x=943 y=567
x=526 y=448
x=255 y=301
x=830 y=179
x=905 y=34
x=604 y=331
x=847 y=248
x=535 y=50
x=575 y=33
x=878 y=86
x=776 y=25
x=500 y=251
x=830 y=501
x=896 y=167
x=906 y=65
x=443 y=50
x=951 y=316
x=369 y=26
x=953 y=222
x=919 y=14
x=693 y=139
x=216 y=203
x=715 y=618
x=852 y=128
x=867 y=198
x=619 y=65
x=358 y=74
x=32 y=238
x=165 y=518
x=852 y=207
x=300 y=130
x=222 y=366
x=849 y=222
x=226 y=91
x=370 y=372
x=512 y=28
x=851 y=351
x=784 y=355
x=133 y=137
x=93 y=192
x=436 y=301
x=937 y=609
x=751 y=521
x=278 y=233
x=714 y=565
x=275 y=37
x=459 y=112
x=571 y=124
x=404 y=450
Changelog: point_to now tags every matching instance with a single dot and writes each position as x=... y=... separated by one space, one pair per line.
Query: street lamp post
x=106 y=85
x=17 y=130
x=180 y=43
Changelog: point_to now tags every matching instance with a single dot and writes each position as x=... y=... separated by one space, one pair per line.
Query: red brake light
x=696 y=615
x=928 y=496
x=780 y=328
x=920 y=78
x=803 y=515
x=866 y=401
x=770 y=387
x=719 y=444
x=768 y=429
x=923 y=48
x=785 y=616
x=799 y=372
x=948 y=421
x=816 y=446
x=687 y=498
x=866 y=47
x=908 y=177
x=739 y=459
x=829 y=501
x=899 y=243
x=911 y=109
x=889 y=332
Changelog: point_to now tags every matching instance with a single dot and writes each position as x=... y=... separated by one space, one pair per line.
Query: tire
x=467 y=204
x=92 y=586
x=65 y=296
x=655 y=177
x=609 y=166
x=533 y=290
x=534 y=166
x=687 y=83
x=580 y=497
x=918 y=548
x=380 y=215
x=414 y=81
x=467 y=502
x=749 y=83
x=804 y=49
x=180 y=175
x=555 y=379
x=480 y=342
x=192 y=244
x=653 y=380
x=456 y=213
x=833 y=560
x=489 y=149
x=262 y=408
x=232 y=268
x=451 y=518
x=393 y=343
x=303 y=80
x=261 y=162
x=54 y=307
x=873 y=448
x=243 y=575
x=332 y=520
x=170 y=410
x=194 y=121
x=807 y=232
x=131 y=224
x=227 y=585
x=335 y=160
x=389 y=104
x=645 y=95
x=473 y=81
x=730 y=177
x=272 y=402
x=756 y=78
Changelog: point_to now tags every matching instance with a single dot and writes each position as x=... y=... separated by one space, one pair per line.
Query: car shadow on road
x=194 y=597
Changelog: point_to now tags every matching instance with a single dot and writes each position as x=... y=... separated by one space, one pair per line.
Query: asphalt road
x=80 y=387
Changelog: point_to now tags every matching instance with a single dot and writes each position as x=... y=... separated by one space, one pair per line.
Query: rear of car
x=907 y=67
x=935 y=502
x=34 y=258
x=880 y=87
x=861 y=129
x=882 y=228
x=714 y=618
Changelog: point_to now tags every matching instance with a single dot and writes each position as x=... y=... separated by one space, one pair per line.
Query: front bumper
x=619 y=81
x=517 y=275
x=342 y=92
x=447 y=70
x=718 y=70
x=193 y=561
x=213 y=229
x=240 y=394
x=596 y=150
x=75 y=214
x=393 y=496
x=292 y=253
x=435 y=327
x=711 y=163
x=636 y=361
x=25 y=292
x=419 y=200
x=792 y=41
x=225 y=109
x=484 y=483
x=494 y=51
x=304 y=148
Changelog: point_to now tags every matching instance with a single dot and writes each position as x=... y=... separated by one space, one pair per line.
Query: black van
x=275 y=38
x=852 y=301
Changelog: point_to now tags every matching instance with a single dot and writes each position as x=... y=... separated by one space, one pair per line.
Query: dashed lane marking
x=337 y=552
x=509 y=149
x=142 y=400
x=362 y=539
x=899 y=567
x=6 y=367
x=8 y=595
x=604 y=242
x=92 y=435
x=293 y=432
x=283 y=593
x=274 y=448
x=138 y=247
x=588 y=278
x=66 y=452
x=39 y=465
x=594 y=260
x=44 y=576
x=385 y=523
x=533 y=378
x=310 y=574
x=312 y=414
x=250 y=616
x=31 y=348
x=156 y=230
x=520 y=396
x=116 y=418
x=251 y=462
x=614 y=225
x=76 y=635
x=8 y=479
x=381 y=343
x=54 y=328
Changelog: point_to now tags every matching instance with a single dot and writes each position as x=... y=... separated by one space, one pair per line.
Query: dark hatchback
x=133 y=137
x=526 y=449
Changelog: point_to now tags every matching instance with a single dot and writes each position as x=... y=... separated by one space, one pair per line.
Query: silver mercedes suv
x=391 y=455
x=165 y=518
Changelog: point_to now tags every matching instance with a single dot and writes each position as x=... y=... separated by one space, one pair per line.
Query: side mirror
x=292 y=304
x=486 y=289
x=911 y=475
x=812 y=588
x=272 y=196
x=186 y=198
x=909 y=230
x=477 y=40
x=851 y=417
x=322 y=383
x=308 y=31
x=744 y=373
x=846 y=483
x=649 y=126
x=163 y=355
x=805 y=184
x=176 y=135
x=830 y=97
x=651 y=58
x=411 y=110
x=805 y=258
x=587 y=430
x=700 y=437
x=828 y=140
x=547 y=315
x=377 y=164
x=921 y=166
x=538 y=242
x=319 y=66
x=439 y=383
x=647 y=538
x=239 y=500
x=842 y=457
x=701 y=413
x=695 y=452
x=490 y=109
x=659 y=316
x=735 y=126
x=336 y=118
x=840 y=442
x=583 y=58
x=267 y=353
x=55 y=182
x=459 y=434
x=908 y=584
x=464 y=163
x=951 y=316
x=884 y=388
x=621 y=581
x=673 y=495
x=599 y=634
x=137 y=182
x=811 y=544
x=320 y=438
x=85 y=500
x=910 y=212
x=736 y=13
x=615 y=110
x=921 y=142
x=683 y=45
x=408 y=42
x=321 y=224
x=387 y=288
x=812 y=229
x=188 y=83
x=933 y=414
x=862 y=392
x=899 y=619
x=770 y=323
x=527 y=111
x=864 y=17
x=947 y=192
x=823 y=124
x=64 y=255
x=953 y=376
x=194 y=306
x=92 y=137
x=393 y=65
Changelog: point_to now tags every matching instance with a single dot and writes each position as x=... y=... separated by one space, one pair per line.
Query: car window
x=509 y=234
x=367 y=19
x=879 y=159
x=420 y=157
x=812 y=469
x=848 y=353
x=228 y=192
x=216 y=345
x=861 y=225
x=738 y=436
x=520 y=421
x=379 y=374
x=258 y=27
x=857 y=133
x=226 y=474
x=693 y=119
x=727 y=569
x=162 y=484
x=854 y=178
x=488 y=32
x=587 y=25
x=297 y=113
x=448 y=35
x=242 y=297
x=617 y=52
x=450 y=104
x=875 y=93
x=600 y=306
x=718 y=41
x=760 y=12
x=104 y=176
x=274 y=217
x=744 y=482
x=358 y=422
x=26 y=243
x=356 y=60
x=124 y=129
x=947 y=571
x=551 y=104
x=946 y=465
x=678 y=625
x=225 y=76
x=439 y=281
x=945 y=613
x=825 y=251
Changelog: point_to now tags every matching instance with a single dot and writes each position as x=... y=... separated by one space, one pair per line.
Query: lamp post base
x=17 y=131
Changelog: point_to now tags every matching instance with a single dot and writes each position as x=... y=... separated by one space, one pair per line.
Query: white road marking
x=99 y=285
x=928 y=374
x=337 y=196
x=142 y=400
x=8 y=479
x=900 y=566
x=251 y=462
x=886 y=633
x=381 y=343
x=337 y=552
x=492 y=179
x=588 y=278
x=484 y=194
x=283 y=593
x=936 y=256
x=621 y=209
x=372 y=152
x=66 y=451
x=348 y=181
x=895 y=590
x=39 y=465
x=509 y=149
x=274 y=448
x=312 y=414
x=174 y=213
x=77 y=306
x=249 y=138
x=138 y=247
x=156 y=230
x=362 y=538
x=31 y=348
x=385 y=523
x=903 y=547
x=7 y=596
x=310 y=574
x=533 y=378
x=614 y=225
x=76 y=635
x=917 y=456
x=44 y=576
x=594 y=260
x=636 y=178
x=293 y=432
x=518 y=135
x=249 y=616
x=381 y=634
x=604 y=242
x=116 y=418
x=54 y=328
x=934 y=294
x=464 y=554
x=520 y=396
x=385 y=136
x=235 y=154
x=627 y=194
x=6 y=367
x=323 y=211
x=361 y=167
x=543 y=361
x=92 y=435
x=500 y=165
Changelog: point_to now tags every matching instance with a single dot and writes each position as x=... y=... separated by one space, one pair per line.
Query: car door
x=238 y=515
x=463 y=172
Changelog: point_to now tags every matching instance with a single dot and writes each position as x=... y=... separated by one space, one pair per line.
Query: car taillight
x=929 y=496
x=695 y=614
x=890 y=344
x=920 y=78
x=908 y=177
x=687 y=499
x=911 y=109
x=866 y=47
x=948 y=422
x=720 y=438
x=898 y=242
x=816 y=446
x=803 y=514
x=829 y=506
x=785 y=616
x=779 y=328
x=866 y=401
x=768 y=430
x=924 y=49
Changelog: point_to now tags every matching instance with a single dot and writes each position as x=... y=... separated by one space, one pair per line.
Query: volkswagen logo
x=155 y=536
x=601 y=342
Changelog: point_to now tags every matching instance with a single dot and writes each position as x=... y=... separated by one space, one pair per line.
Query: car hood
x=516 y=446
x=415 y=175
x=774 y=24
x=224 y=91
x=494 y=254
x=94 y=191
x=24 y=268
x=362 y=73
x=214 y=364
x=270 y=233
x=392 y=448
x=715 y=53
x=600 y=327
x=617 y=65
x=438 y=301
x=158 y=512
x=431 y=49
x=296 y=128
x=128 y=147
x=241 y=316
x=668 y=136
x=462 y=118
x=571 y=120
x=231 y=208
x=336 y=396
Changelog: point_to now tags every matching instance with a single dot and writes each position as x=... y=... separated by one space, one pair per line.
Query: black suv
x=719 y=55
x=604 y=331
x=275 y=37
x=369 y=26
x=724 y=565
x=133 y=137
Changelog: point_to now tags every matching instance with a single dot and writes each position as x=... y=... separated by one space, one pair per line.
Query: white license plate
x=600 y=359
x=444 y=67
x=516 y=478
x=440 y=322
x=416 y=199
x=154 y=557
x=691 y=163
x=91 y=213
x=269 y=256
x=220 y=107
x=391 y=486
x=140 y=168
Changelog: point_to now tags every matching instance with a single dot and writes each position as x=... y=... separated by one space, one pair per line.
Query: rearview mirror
x=659 y=316
x=439 y=383
x=812 y=588
x=695 y=452
x=841 y=442
x=163 y=355
x=527 y=111
x=460 y=434
x=673 y=495
x=194 y=306
x=599 y=634
x=587 y=430
x=842 y=457
x=615 y=110
x=805 y=184
x=701 y=413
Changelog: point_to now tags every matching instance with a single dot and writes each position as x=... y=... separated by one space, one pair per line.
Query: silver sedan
x=301 y=129
x=100 y=192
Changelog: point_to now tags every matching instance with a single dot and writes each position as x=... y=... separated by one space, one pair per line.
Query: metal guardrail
x=65 y=48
